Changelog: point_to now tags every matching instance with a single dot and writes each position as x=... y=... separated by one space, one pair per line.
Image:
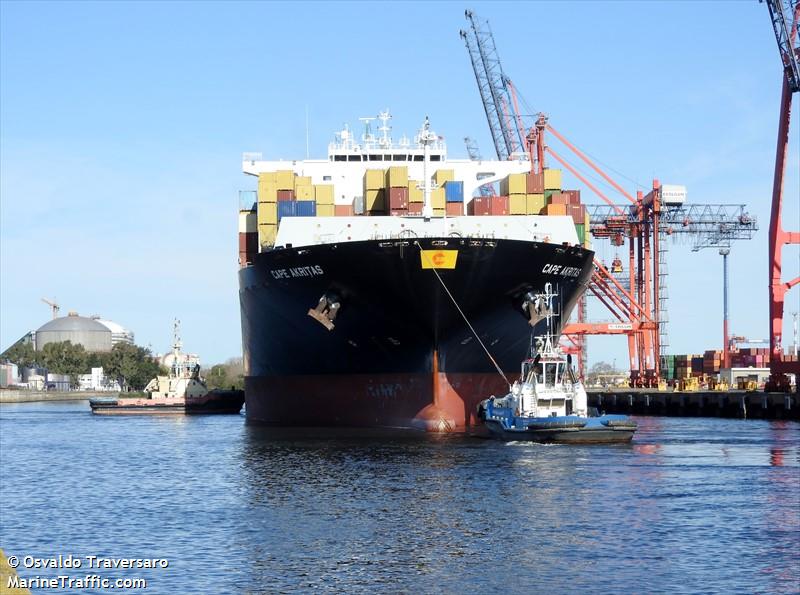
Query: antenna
x=176 y=336
x=384 y=117
x=367 y=136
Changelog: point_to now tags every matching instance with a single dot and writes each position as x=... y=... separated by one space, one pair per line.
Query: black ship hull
x=398 y=353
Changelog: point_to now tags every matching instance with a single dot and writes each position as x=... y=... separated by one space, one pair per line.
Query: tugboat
x=180 y=392
x=549 y=403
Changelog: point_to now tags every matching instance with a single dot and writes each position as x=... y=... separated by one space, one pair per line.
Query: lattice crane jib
x=785 y=15
x=492 y=85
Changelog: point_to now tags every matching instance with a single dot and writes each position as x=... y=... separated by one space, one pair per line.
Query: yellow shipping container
x=304 y=193
x=323 y=194
x=534 y=203
x=285 y=179
x=397 y=176
x=267 y=233
x=374 y=179
x=374 y=200
x=267 y=213
x=586 y=222
x=438 y=212
x=267 y=191
x=415 y=194
x=552 y=179
x=268 y=177
x=302 y=181
x=438 y=199
x=325 y=210
x=514 y=184
x=444 y=175
x=517 y=204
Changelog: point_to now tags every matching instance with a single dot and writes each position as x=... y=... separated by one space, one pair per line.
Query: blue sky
x=122 y=127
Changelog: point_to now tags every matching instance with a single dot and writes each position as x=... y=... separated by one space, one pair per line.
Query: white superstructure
x=348 y=160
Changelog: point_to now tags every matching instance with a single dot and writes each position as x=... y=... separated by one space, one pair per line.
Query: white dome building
x=77 y=329
x=119 y=334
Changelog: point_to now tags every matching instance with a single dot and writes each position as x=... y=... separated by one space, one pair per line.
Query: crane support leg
x=777 y=238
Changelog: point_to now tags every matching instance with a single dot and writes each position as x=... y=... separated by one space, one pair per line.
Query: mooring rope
x=460 y=311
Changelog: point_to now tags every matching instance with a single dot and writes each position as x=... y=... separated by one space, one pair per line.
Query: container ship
x=376 y=291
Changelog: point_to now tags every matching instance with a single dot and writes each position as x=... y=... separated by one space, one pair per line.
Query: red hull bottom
x=433 y=402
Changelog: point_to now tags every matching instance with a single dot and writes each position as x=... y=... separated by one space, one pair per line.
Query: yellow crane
x=53 y=306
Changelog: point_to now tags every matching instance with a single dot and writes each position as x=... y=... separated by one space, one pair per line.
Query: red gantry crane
x=643 y=222
x=785 y=16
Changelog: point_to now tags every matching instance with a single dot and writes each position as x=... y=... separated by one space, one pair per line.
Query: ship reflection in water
x=692 y=504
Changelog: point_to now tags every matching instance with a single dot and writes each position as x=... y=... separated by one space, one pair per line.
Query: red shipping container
x=454 y=209
x=498 y=205
x=415 y=208
x=285 y=194
x=398 y=198
x=534 y=183
x=343 y=210
x=577 y=212
x=481 y=205
x=398 y=212
x=573 y=196
x=558 y=198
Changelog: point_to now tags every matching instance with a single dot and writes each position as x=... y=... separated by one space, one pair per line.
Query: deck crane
x=53 y=306
x=785 y=17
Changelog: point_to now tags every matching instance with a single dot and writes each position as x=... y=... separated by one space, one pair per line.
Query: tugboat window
x=550 y=375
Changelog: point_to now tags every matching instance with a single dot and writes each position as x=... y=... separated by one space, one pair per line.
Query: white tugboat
x=181 y=391
x=549 y=403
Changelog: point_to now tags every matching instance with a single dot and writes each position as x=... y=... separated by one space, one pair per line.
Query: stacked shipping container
x=391 y=192
x=677 y=367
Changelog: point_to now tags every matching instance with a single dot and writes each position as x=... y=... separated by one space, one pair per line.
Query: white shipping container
x=673 y=194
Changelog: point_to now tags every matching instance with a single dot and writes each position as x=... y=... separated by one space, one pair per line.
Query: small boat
x=180 y=392
x=548 y=403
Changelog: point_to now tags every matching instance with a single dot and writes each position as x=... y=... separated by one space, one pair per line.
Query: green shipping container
x=581 y=229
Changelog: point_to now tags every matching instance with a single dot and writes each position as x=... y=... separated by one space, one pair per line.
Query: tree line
x=227 y=375
x=130 y=365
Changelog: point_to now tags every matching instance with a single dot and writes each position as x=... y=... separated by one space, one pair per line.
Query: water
x=693 y=505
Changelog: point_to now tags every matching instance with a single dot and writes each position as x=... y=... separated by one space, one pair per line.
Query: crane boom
x=784 y=23
x=53 y=306
x=493 y=87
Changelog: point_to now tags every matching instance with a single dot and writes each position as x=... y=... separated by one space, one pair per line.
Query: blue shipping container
x=454 y=191
x=286 y=208
x=306 y=208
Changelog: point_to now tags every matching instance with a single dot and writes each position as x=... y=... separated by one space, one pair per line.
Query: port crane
x=785 y=18
x=475 y=155
x=53 y=306
x=643 y=222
